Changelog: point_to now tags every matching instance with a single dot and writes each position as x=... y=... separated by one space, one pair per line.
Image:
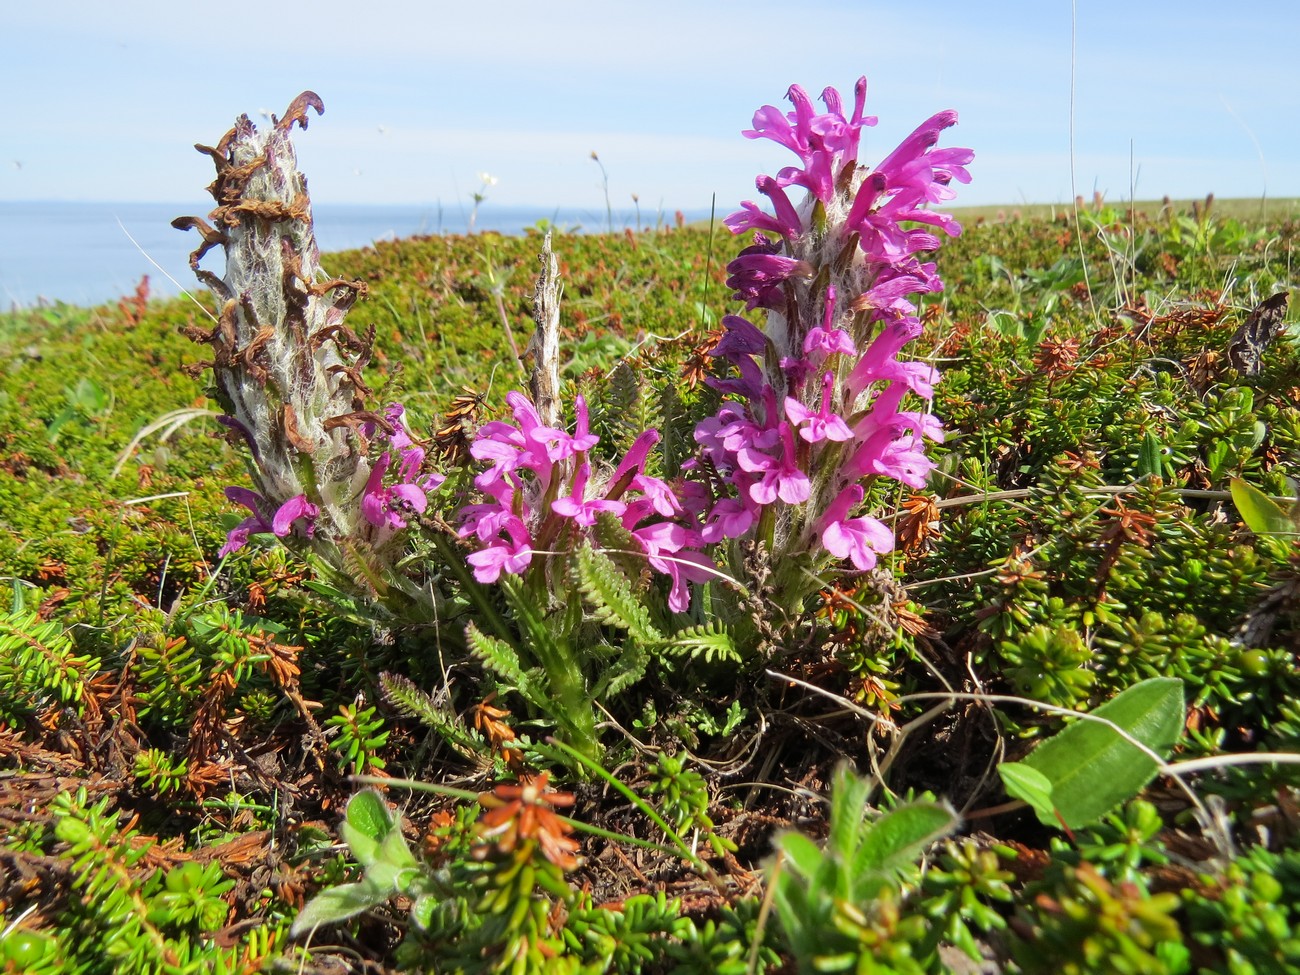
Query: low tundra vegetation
x=744 y=598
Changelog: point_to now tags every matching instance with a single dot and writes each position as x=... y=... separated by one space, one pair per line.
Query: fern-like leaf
x=628 y=668
x=500 y=658
x=543 y=635
x=406 y=698
x=611 y=597
x=621 y=400
x=676 y=429
x=622 y=548
x=710 y=642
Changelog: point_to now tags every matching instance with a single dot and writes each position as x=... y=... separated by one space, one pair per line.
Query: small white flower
x=487 y=179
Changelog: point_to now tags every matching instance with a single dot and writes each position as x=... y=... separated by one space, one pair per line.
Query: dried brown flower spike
x=286 y=367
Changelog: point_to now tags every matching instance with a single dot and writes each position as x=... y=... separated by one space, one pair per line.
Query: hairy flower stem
x=287 y=370
x=556 y=654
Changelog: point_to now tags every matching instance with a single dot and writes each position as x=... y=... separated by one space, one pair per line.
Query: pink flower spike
x=860 y=121
x=879 y=361
x=374 y=499
x=920 y=141
x=539 y=442
x=583 y=439
x=238 y=536
x=758 y=273
x=249 y=499
x=393 y=413
x=772 y=123
x=728 y=519
x=782 y=479
x=635 y=458
x=857 y=539
x=405 y=498
x=292 y=510
x=751 y=216
x=742 y=339
x=787 y=217
x=575 y=506
x=822 y=425
x=400 y=439
x=658 y=493
x=384 y=507
x=513 y=556
x=828 y=313
x=749 y=385
x=560 y=444
x=828 y=339
x=889 y=454
x=666 y=546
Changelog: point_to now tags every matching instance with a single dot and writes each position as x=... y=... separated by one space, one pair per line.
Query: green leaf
x=1151 y=456
x=403 y=695
x=628 y=668
x=365 y=826
x=802 y=855
x=1262 y=514
x=898 y=837
x=422 y=910
x=611 y=597
x=393 y=849
x=497 y=655
x=537 y=637
x=1029 y=785
x=1092 y=768
x=710 y=641
x=620 y=546
x=849 y=794
x=338 y=904
x=501 y=658
x=383 y=874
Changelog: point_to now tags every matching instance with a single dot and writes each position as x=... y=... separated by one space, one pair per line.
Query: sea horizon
x=90 y=253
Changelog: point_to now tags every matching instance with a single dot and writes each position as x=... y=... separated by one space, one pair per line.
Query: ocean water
x=90 y=253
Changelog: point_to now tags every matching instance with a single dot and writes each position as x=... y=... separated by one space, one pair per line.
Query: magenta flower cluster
x=816 y=406
x=542 y=495
x=817 y=403
x=296 y=509
x=385 y=506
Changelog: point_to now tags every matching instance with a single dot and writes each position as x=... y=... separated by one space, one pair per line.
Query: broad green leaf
x=802 y=854
x=898 y=837
x=1151 y=456
x=1092 y=768
x=393 y=849
x=394 y=877
x=1262 y=514
x=338 y=904
x=849 y=794
x=365 y=825
x=1029 y=785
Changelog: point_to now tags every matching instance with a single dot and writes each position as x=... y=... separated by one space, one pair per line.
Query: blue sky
x=104 y=101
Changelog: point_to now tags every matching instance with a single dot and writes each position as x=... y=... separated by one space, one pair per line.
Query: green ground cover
x=180 y=735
